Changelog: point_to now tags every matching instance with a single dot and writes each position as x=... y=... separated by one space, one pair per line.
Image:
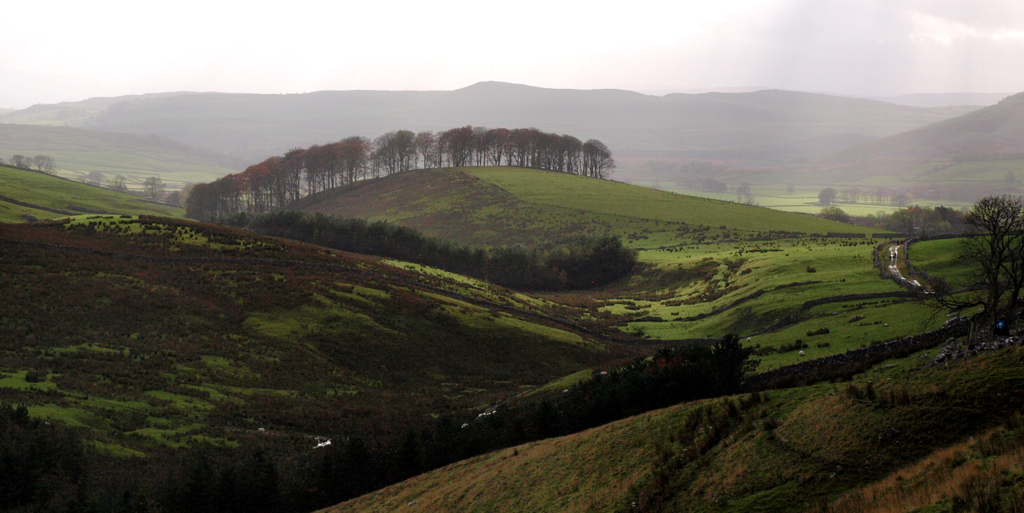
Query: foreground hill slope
x=509 y=205
x=808 y=449
x=79 y=152
x=764 y=125
x=149 y=332
x=31 y=195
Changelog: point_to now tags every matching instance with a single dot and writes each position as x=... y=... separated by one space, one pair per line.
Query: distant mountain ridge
x=762 y=126
x=930 y=100
x=988 y=133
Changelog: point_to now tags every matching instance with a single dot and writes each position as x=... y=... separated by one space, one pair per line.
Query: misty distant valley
x=347 y=288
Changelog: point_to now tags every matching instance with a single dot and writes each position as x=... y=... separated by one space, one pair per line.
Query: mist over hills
x=993 y=132
x=79 y=152
x=929 y=100
x=764 y=127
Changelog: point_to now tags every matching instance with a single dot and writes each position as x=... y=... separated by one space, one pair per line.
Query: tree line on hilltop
x=281 y=180
x=577 y=263
x=912 y=219
x=44 y=163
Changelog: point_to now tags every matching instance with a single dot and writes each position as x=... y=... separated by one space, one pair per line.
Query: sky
x=53 y=51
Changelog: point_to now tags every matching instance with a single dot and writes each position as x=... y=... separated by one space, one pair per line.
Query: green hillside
x=27 y=195
x=79 y=152
x=902 y=437
x=508 y=205
x=753 y=271
x=153 y=332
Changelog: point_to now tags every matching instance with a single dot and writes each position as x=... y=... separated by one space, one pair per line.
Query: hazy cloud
x=54 y=51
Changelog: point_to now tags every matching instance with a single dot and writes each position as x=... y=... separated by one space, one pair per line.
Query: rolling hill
x=991 y=131
x=763 y=126
x=31 y=195
x=154 y=335
x=493 y=206
x=707 y=267
x=955 y=160
x=79 y=152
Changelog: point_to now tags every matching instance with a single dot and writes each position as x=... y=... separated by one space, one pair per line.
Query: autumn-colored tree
x=597 y=159
x=279 y=181
x=426 y=148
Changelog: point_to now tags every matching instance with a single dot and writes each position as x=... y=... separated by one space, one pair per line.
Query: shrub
x=795 y=346
x=36 y=376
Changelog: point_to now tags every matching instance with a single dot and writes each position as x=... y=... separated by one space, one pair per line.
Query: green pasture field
x=685 y=270
x=939 y=258
x=500 y=206
x=790 y=450
x=43 y=191
x=804 y=199
x=80 y=152
x=696 y=280
x=614 y=198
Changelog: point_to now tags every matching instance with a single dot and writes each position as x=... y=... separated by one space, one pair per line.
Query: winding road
x=894 y=258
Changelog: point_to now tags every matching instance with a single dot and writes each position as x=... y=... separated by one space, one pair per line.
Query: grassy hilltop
x=496 y=205
x=26 y=195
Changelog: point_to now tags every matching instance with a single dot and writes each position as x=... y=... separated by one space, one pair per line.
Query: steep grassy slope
x=79 y=152
x=508 y=205
x=152 y=332
x=28 y=195
x=789 y=450
x=765 y=125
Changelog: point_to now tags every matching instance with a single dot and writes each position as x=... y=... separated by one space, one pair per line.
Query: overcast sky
x=69 y=51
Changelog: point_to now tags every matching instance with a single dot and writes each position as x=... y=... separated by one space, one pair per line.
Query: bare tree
x=744 y=194
x=44 y=163
x=116 y=183
x=426 y=147
x=153 y=187
x=996 y=250
x=597 y=159
x=827 y=196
